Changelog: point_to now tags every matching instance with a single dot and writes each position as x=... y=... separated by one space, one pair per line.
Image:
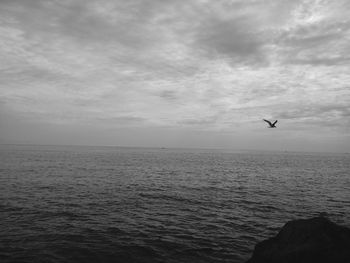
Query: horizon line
x=177 y=148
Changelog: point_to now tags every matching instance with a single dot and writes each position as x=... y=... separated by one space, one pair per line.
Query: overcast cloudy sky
x=184 y=73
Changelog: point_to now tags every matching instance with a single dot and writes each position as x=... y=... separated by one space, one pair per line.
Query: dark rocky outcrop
x=305 y=241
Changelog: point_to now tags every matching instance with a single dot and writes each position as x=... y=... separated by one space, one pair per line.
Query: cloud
x=321 y=111
x=233 y=38
x=202 y=65
x=318 y=34
x=168 y=95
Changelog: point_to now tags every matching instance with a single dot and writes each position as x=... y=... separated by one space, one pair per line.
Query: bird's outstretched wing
x=268 y=122
x=274 y=123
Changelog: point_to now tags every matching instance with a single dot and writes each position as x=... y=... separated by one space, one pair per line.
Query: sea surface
x=113 y=204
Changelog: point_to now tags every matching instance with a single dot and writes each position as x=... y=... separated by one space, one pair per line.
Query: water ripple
x=86 y=204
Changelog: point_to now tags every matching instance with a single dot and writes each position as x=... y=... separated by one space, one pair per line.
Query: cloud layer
x=186 y=66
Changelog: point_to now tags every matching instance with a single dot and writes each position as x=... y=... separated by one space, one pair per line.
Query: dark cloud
x=169 y=95
x=234 y=39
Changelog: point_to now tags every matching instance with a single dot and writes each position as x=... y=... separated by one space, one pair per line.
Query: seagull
x=272 y=125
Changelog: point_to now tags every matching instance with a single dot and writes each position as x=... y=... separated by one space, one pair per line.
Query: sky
x=184 y=73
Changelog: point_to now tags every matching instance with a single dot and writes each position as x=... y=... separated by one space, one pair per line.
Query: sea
x=116 y=204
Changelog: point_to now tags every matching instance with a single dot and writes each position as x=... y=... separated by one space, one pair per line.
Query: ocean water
x=110 y=204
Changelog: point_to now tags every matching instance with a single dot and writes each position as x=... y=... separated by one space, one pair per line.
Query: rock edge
x=305 y=241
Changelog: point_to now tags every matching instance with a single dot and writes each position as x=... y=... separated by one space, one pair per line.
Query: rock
x=305 y=241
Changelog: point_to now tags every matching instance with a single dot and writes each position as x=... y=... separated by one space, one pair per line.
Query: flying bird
x=272 y=125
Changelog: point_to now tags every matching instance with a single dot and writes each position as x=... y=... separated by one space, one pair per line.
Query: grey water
x=113 y=204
